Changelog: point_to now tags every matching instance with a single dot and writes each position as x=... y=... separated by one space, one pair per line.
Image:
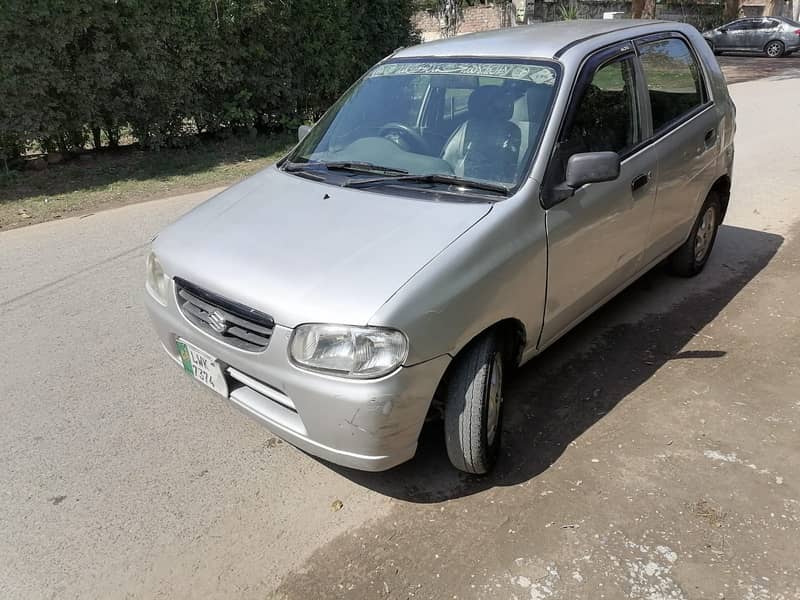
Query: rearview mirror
x=583 y=168
x=303 y=131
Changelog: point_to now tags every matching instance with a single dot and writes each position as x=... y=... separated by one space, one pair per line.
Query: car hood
x=304 y=251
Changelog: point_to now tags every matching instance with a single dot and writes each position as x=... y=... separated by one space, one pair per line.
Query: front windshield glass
x=465 y=118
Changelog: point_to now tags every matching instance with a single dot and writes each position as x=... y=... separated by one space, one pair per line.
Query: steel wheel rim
x=773 y=50
x=495 y=400
x=705 y=232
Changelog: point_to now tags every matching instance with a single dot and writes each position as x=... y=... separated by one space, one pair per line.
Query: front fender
x=496 y=270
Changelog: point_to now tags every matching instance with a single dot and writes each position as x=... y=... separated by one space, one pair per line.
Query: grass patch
x=126 y=175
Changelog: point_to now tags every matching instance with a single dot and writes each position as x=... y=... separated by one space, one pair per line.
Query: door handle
x=640 y=181
x=711 y=138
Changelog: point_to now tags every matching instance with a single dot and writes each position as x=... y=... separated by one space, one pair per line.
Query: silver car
x=460 y=208
x=773 y=36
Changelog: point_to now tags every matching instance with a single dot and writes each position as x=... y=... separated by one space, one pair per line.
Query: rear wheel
x=774 y=49
x=473 y=415
x=691 y=257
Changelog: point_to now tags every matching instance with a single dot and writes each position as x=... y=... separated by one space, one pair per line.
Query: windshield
x=466 y=119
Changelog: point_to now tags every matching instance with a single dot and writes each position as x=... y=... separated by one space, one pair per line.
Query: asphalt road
x=653 y=453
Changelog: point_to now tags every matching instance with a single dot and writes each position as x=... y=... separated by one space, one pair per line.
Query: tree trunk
x=796 y=10
x=731 y=10
x=637 y=7
x=450 y=16
x=97 y=140
x=649 y=10
x=773 y=8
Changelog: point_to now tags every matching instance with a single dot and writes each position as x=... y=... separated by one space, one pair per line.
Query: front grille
x=223 y=319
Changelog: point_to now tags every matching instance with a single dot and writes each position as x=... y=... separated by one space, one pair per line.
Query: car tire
x=691 y=257
x=774 y=49
x=473 y=414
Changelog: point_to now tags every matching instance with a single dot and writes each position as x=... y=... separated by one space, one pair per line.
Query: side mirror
x=722 y=30
x=303 y=131
x=591 y=167
x=583 y=168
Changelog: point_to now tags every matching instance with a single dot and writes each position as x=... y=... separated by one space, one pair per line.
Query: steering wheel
x=405 y=137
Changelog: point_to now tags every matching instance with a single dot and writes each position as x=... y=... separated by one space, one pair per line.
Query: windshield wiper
x=432 y=178
x=343 y=165
x=362 y=167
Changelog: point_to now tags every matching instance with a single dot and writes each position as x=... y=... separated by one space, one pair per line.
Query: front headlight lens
x=348 y=351
x=157 y=282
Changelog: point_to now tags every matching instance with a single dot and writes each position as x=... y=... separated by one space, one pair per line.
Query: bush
x=168 y=69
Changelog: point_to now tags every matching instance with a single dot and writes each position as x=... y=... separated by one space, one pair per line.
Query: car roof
x=541 y=40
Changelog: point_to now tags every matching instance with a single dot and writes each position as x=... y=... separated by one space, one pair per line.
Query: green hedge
x=74 y=72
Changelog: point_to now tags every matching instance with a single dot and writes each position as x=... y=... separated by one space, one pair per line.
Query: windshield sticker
x=534 y=73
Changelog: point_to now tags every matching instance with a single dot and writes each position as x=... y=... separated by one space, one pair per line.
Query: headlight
x=358 y=352
x=157 y=281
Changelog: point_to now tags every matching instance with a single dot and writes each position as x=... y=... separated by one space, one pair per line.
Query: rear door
x=766 y=30
x=596 y=238
x=686 y=137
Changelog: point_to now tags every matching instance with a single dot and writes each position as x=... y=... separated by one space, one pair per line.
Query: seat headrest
x=491 y=102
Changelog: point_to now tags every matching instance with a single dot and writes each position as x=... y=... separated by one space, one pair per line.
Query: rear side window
x=674 y=83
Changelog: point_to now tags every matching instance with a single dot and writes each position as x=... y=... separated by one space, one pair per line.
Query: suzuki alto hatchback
x=458 y=210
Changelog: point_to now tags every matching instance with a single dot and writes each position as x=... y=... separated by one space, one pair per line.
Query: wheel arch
x=722 y=187
x=510 y=328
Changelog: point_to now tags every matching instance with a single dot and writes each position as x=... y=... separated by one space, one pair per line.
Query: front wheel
x=691 y=257
x=774 y=49
x=473 y=414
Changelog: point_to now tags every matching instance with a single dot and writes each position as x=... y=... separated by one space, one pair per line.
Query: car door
x=596 y=237
x=765 y=30
x=770 y=29
x=686 y=127
x=734 y=35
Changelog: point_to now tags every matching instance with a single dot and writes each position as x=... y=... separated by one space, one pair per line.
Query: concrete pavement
x=653 y=452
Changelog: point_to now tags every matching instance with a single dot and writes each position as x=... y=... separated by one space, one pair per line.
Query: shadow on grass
x=109 y=166
x=556 y=397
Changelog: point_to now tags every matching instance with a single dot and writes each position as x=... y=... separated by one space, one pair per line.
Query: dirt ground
x=748 y=67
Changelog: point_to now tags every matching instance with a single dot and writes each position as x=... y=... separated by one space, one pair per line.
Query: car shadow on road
x=556 y=397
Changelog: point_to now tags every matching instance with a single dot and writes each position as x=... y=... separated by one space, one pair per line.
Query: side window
x=739 y=26
x=456 y=101
x=770 y=24
x=607 y=116
x=674 y=83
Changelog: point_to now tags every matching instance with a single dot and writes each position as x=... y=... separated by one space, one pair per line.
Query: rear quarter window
x=674 y=82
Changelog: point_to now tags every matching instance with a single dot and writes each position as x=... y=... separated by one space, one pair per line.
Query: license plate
x=203 y=367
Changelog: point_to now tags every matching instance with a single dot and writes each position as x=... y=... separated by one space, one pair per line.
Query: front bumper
x=370 y=425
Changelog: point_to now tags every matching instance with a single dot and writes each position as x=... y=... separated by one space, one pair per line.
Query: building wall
x=476 y=18
x=481 y=18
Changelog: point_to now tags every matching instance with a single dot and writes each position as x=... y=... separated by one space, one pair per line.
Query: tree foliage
x=78 y=71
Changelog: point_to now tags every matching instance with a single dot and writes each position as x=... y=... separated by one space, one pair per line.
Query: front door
x=596 y=237
x=735 y=35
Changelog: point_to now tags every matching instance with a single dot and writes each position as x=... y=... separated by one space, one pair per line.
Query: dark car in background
x=773 y=36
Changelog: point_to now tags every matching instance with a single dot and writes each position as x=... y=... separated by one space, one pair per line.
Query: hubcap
x=773 y=49
x=495 y=398
x=705 y=233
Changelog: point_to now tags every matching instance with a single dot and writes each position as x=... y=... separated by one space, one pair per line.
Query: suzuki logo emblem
x=217 y=322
